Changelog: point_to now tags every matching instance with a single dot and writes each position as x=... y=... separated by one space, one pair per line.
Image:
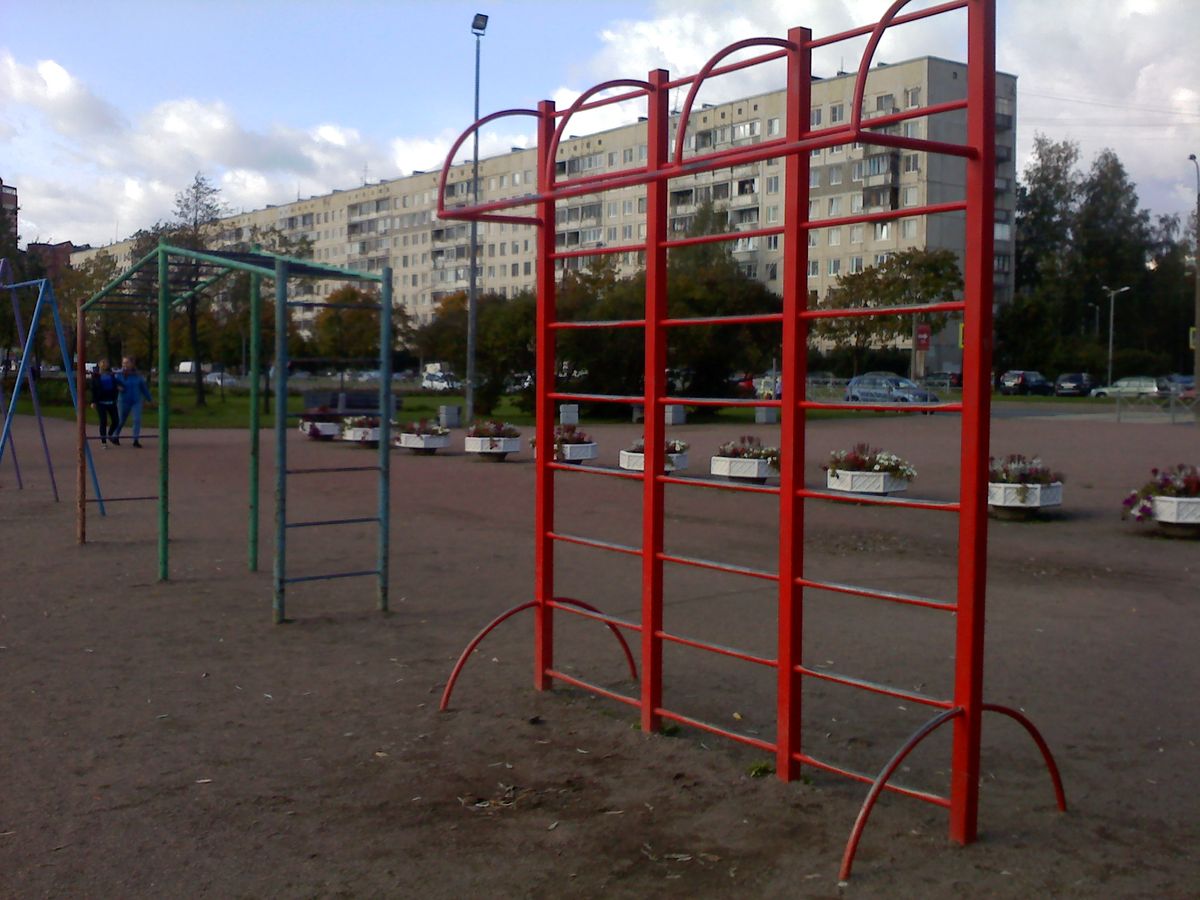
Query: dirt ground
x=167 y=739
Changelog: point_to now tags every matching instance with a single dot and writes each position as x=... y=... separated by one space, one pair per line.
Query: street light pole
x=1196 y=265
x=1112 y=293
x=478 y=27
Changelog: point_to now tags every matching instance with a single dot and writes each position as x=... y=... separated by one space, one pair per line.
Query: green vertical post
x=385 y=432
x=164 y=410
x=281 y=364
x=255 y=421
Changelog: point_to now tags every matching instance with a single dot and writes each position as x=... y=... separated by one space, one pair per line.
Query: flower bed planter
x=423 y=444
x=576 y=453
x=864 y=482
x=492 y=448
x=1022 y=500
x=364 y=436
x=636 y=462
x=321 y=431
x=740 y=468
x=1179 y=516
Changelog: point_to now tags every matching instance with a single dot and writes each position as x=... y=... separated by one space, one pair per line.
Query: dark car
x=1074 y=384
x=1021 y=381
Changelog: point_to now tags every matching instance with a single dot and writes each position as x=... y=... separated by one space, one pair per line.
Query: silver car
x=886 y=387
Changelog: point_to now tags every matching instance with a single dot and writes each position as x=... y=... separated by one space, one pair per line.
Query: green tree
x=197 y=208
x=908 y=278
x=342 y=333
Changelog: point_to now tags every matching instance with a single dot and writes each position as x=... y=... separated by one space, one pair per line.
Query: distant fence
x=1172 y=408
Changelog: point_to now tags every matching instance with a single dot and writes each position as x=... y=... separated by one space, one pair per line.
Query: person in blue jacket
x=134 y=392
x=105 y=389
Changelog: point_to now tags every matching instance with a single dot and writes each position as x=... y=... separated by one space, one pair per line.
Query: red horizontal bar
x=606 y=471
x=805 y=759
x=582 y=184
x=601 y=102
x=611 y=323
x=916 y=112
x=858 y=312
x=597 y=251
x=899 y=20
x=592 y=614
x=716 y=401
x=594 y=688
x=591 y=542
x=875 y=688
x=718 y=567
x=723 y=236
x=893 y=596
x=883 y=407
x=871 y=500
x=886 y=214
x=111 y=499
x=907 y=143
x=595 y=398
x=713 y=729
x=716 y=648
x=719 y=485
x=723 y=320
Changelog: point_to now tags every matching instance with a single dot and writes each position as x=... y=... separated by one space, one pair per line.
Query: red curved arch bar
x=491 y=117
x=1060 y=796
x=508 y=614
x=877 y=786
x=645 y=86
x=864 y=64
x=686 y=113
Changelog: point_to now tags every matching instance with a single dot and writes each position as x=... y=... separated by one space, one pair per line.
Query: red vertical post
x=543 y=578
x=788 y=695
x=657 y=129
x=977 y=366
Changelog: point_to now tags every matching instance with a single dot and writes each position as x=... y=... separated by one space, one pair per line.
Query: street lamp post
x=1196 y=264
x=478 y=27
x=1112 y=294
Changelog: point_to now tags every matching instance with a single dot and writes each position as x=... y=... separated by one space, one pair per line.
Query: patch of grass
x=761 y=769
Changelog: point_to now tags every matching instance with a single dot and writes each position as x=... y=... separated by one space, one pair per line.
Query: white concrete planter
x=423 y=443
x=321 y=431
x=864 y=482
x=1179 y=514
x=1024 y=496
x=736 y=468
x=493 y=448
x=636 y=462
x=356 y=435
x=575 y=453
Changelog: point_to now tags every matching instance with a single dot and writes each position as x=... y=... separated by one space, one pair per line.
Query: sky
x=108 y=108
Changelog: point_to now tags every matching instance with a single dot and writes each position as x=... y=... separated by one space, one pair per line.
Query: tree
x=197 y=207
x=908 y=278
x=1046 y=205
x=77 y=285
x=342 y=333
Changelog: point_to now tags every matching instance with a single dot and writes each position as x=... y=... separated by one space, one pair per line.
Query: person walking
x=134 y=393
x=105 y=389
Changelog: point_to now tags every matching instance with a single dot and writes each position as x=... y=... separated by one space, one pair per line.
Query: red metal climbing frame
x=965 y=708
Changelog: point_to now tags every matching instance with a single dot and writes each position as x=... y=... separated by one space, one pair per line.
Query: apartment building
x=394 y=222
x=9 y=206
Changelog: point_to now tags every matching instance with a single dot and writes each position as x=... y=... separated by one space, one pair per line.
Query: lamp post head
x=1192 y=157
x=479 y=24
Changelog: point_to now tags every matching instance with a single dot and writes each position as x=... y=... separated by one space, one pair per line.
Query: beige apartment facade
x=394 y=222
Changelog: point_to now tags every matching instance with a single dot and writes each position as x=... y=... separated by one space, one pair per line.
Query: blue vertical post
x=22 y=369
x=33 y=394
x=164 y=411
x=255 y=370
x=385 y=432
x=281 y=364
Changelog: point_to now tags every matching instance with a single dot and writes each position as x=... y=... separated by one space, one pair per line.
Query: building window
x=814 y=209
x=856 y=171
x=856 y=203
x=814 y=238
x=773 y=126
x=908 y=228
x=885 y=102
x=856 y=234
x=772 y=184
x=837 y=113
x=912 y=129
x=836 y=149
x=612 y=209
x=835 y=175
x=835 y=267
x=814 y=177
x=856 y=264
x=912 y=97
x=772 y=271
x=883 y=231
x=835 y=206
x=772 y=242
x=834 y=237
x=772 y=214
x=627 y=155
x=814 y=268
x=814 y=117
x=910 y=196
x=912 y=162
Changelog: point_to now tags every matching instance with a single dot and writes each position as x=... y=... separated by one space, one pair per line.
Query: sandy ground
x=166 y=739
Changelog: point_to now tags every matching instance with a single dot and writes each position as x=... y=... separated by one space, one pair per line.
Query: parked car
x=221 y=379
x=886 y=387
x=439 y=381
x=1074 y=384
x=1134 y=386
x=944 y=379
x=1176 y=384
x=1021 y=381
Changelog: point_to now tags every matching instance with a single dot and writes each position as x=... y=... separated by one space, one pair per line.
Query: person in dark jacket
x=134 y=392
x=105 y=389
